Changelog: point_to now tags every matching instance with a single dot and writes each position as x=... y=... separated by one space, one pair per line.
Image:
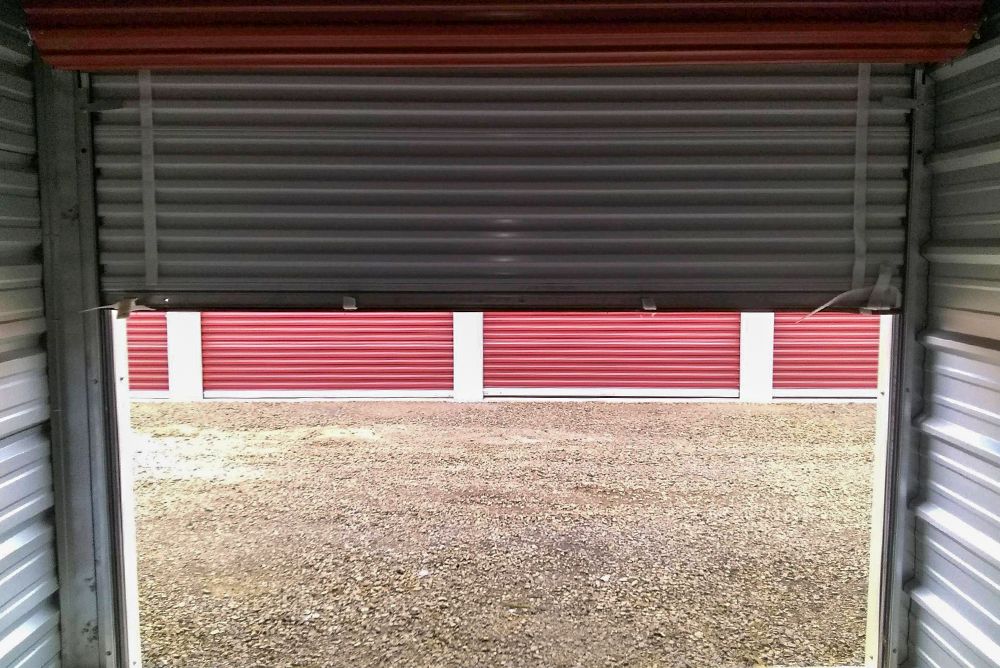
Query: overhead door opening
x=713 y=188
x=529 y=530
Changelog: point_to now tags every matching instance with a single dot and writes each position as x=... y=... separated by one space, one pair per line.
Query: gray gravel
x=503 y=534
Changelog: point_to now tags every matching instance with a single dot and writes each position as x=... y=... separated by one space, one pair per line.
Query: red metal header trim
x=174 y=34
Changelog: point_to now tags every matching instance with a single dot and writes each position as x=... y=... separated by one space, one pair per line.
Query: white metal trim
x=467 y=351
x=841 y=393
x=126 y=488
x=879 y=491
x=861 y=178
x=756 y=357
x=823 y=400
x=148 y=165
x=328 y=394
x=184 y=360
x=148 y=394
x=568 y=392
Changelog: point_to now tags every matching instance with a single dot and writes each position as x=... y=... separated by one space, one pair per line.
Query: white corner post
x=879 y=472
x=128 y=558
x=467 y=335
x=756 y=357
x=184 y=355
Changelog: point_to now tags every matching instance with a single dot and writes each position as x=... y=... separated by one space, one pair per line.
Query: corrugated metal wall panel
x=725 y=187
x=611 y=350
x=826 y=351
x=327 y=351
x=110 y=34
x=955 y=588
x=147 y=352
x=29 y=614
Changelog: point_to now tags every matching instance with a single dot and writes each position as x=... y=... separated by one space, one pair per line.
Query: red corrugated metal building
x=147 y=352
x=281 y=352
x=659 y=354
x=827 y=351
x=526 y=353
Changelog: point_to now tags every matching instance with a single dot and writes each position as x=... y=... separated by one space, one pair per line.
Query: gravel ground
x=502 y=534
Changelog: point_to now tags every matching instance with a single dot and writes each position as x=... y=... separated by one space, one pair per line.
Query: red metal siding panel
x=611 y=350
x=327 y=351
x=147 y=351
x=826 y=351
x=254 y=34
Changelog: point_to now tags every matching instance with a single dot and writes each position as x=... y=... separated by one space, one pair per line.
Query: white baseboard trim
x=143 y=395
x=328 y=394
x=612 y=392
x=839 y=393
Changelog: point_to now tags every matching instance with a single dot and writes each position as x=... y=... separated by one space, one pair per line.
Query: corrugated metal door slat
x=701 y=187
x=147 y=352
x=826 y=351
x=658 y=351
x=327 y=351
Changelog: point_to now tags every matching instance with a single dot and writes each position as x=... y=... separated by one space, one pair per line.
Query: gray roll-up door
x=954 y=588
x=29 y=614
x=705 y=187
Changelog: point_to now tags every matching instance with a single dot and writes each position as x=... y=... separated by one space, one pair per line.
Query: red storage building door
x=611 y=354
x=147 y=352
x=828 y=354
x=327 y=354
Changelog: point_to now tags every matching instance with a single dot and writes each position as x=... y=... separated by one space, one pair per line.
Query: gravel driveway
x=502 y=534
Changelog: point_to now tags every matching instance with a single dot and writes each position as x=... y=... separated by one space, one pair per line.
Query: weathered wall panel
x=955 y=589
x=29 y=615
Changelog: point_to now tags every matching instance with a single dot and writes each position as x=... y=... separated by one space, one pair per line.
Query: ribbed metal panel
x=29 y=616
x=659 y=351
x=826 y=351
x=327 y=351
x=955 y=589
x=147 y=352
x=703 y=186
x=111 y=34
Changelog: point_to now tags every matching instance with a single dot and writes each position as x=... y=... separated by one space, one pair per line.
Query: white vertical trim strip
x=129 y=556
x=880 y=490
x=184 y=367
x=861 y=178
x=756 y=357
x=148 y=164
x=468 y=356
